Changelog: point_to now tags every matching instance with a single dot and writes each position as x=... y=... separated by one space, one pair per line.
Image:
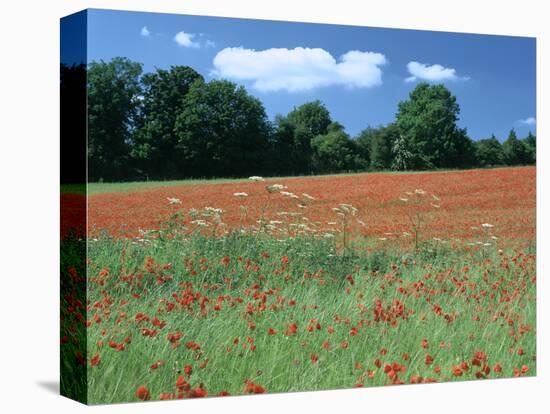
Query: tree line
x=173 y=124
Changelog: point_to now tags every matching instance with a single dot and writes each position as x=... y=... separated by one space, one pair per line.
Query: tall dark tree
x=489 y=152
x=374 y=146
x=281 y=160
x=363 y=143
x=164 y=92
x=427 y=121
x=221 y=131
x=514 y=151
x=114 y=92
x=334 y=151
x=530 y=143
x=303 y=124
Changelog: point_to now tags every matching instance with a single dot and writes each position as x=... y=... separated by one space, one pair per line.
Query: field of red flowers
x=222 y=299
x=503 y=197
x=248 y=316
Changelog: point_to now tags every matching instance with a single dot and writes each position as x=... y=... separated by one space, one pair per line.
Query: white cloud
x=431 y=73
x=145 y=31
x=186 y=39
x=527 y=121
x=298 y=69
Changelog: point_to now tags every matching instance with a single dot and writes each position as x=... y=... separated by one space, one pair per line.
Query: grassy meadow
x=207 y=306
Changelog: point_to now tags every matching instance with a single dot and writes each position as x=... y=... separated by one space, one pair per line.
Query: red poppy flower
x=429 y=359
x=96 y=359
x=292 y=329
x=252 y=388
x=143 y=393
x=198 y=392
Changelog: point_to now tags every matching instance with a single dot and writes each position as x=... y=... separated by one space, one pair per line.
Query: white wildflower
x=173 y=200
x=274 y=187
x=487 y=226
x=256 y=178
x=240 y=194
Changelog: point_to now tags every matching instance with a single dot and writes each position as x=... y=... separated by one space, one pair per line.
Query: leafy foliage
x=334 y=151
x=172 y=124
x=114 y=89
x=221 y=131
x=489 y=152
x=163 y=97
x=427 y=121
x=514 y=150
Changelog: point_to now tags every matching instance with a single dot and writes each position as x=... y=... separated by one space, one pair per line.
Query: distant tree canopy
x=293 y=135
x=427 y=123
x=335 y=151
x=172 y=124
x=221 y=130
x=489 y=152
x=114 y=89
x=155 y=141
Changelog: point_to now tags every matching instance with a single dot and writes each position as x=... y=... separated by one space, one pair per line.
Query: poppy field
x=306 y=283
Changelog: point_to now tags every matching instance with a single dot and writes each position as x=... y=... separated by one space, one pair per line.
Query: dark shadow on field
x=50 y=386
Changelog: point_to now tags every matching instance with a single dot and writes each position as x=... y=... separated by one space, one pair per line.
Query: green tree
x=489 y=152
x=427 y=121
x=114 y=92
x=334 y=151
x=530 y=143
x=164 y=92
x=382 y=140
x=294 y=133
x=221 y=131
x=363 y=142
x=514 y=151
x=281 y=159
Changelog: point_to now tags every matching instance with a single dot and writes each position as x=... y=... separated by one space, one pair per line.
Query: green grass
x=468 y=285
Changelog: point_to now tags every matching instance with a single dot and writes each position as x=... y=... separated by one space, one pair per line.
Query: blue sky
x=359 y=73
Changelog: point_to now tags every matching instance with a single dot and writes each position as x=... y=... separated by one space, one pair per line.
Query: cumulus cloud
x=431 y=73
x=527 y=121
x=186 y=40
x=298 y=69
x=145 y=31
